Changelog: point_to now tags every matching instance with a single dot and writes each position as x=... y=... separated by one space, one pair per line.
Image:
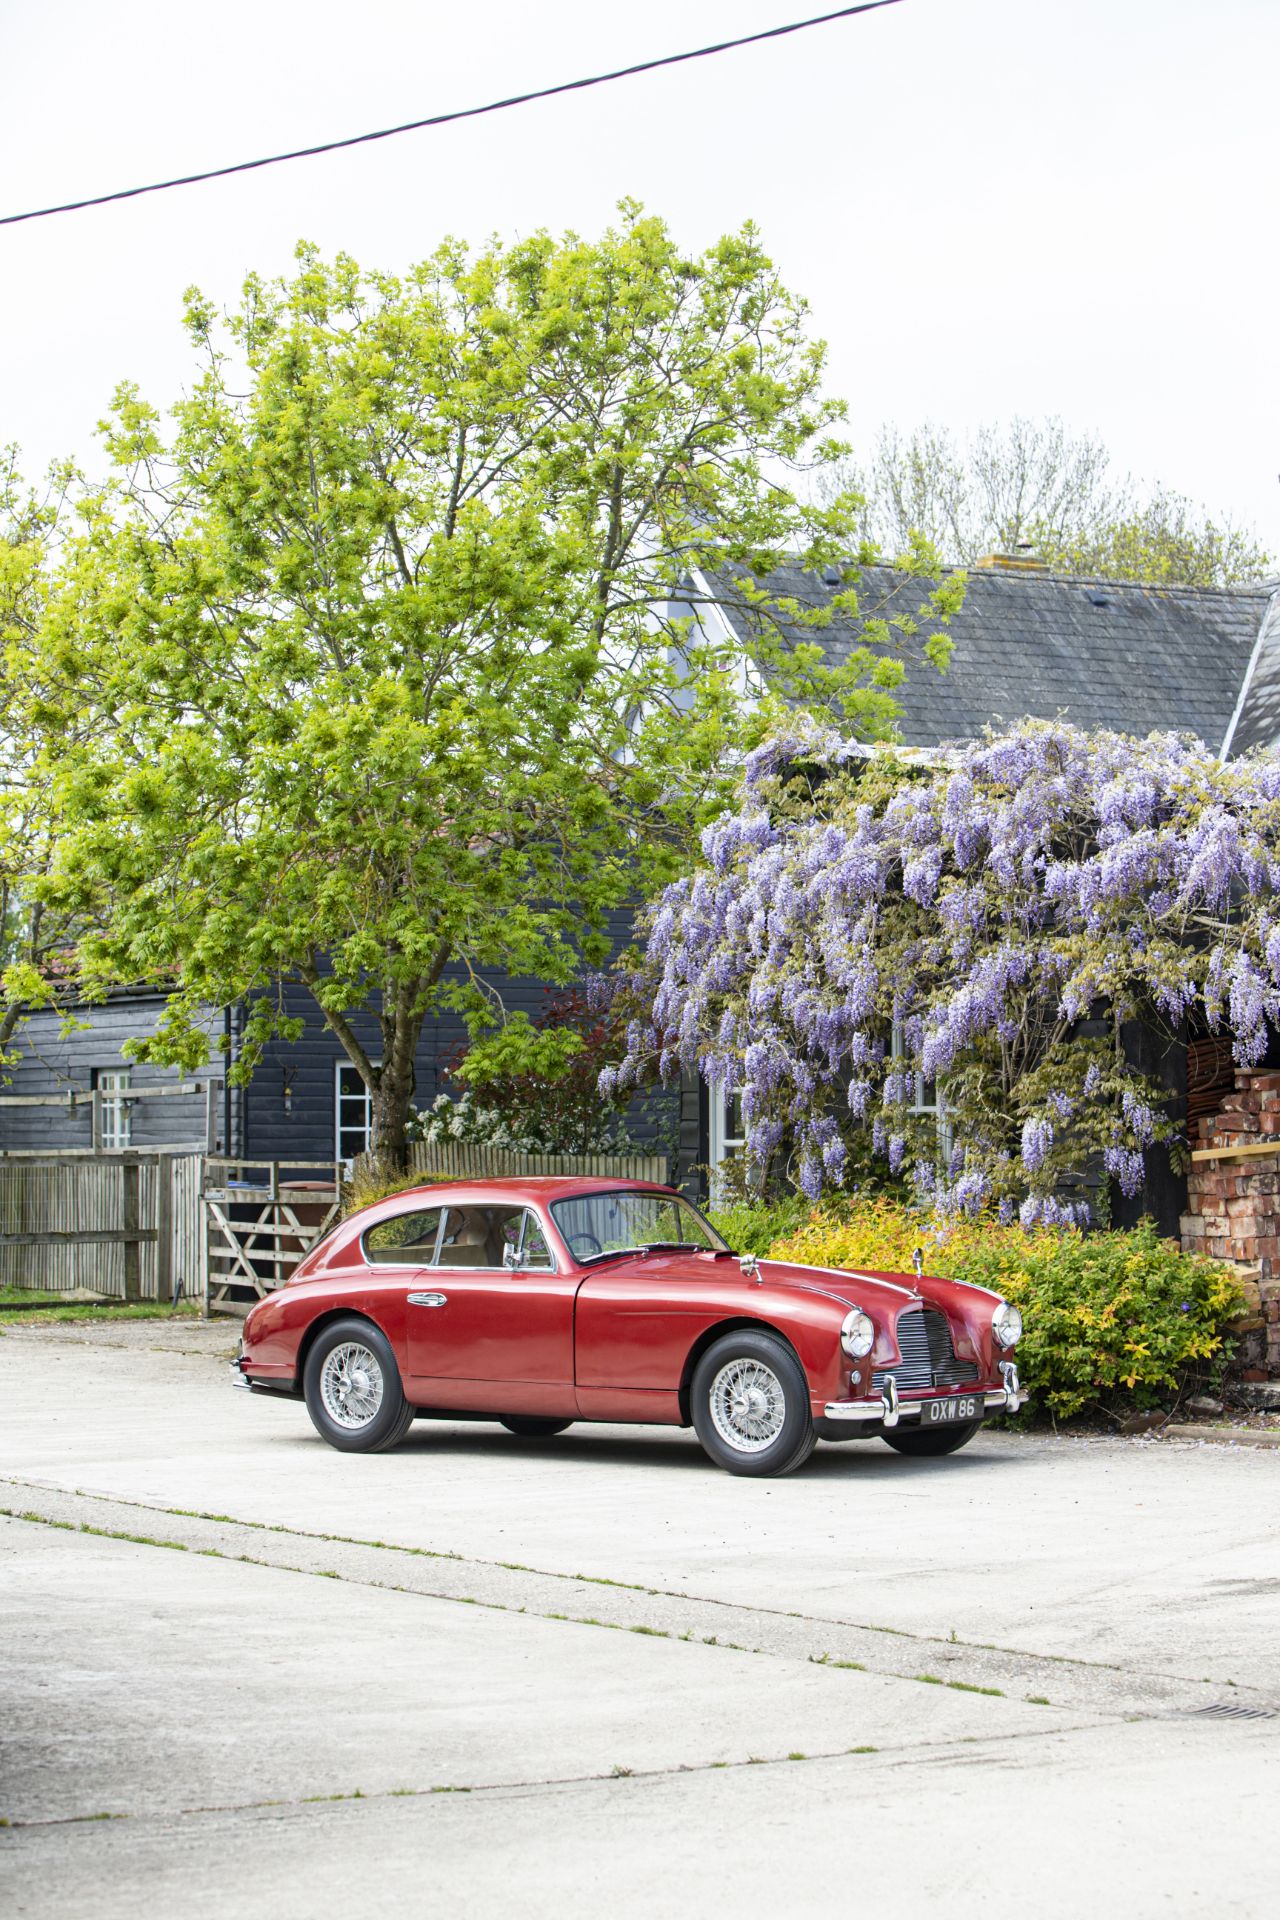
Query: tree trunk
x=392 y=1102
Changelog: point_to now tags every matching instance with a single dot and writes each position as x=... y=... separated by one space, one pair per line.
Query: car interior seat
x=469 y=1247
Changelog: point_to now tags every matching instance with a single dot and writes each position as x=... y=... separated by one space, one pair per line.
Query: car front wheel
x=750 y=1405
x=929 y=1445
x=352 y=1388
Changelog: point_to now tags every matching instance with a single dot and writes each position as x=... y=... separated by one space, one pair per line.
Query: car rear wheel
x=929 y=1445
x=750 y=1405
x=527 y=1426
x=352 y=1388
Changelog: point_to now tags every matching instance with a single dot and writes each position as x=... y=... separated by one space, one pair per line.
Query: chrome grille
x=928 y=1357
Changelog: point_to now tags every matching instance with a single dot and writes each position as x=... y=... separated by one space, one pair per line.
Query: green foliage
x=381 y=670
x=1112 y=1320
x=754 y=1226
x=372 y=1180
x=534 y=1085
x=41 y=916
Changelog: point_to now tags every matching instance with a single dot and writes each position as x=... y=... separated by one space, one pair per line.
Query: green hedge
x=1116 y=1320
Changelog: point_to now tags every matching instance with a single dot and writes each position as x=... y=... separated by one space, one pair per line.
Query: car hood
x=884 y=1295
x=887 y=1293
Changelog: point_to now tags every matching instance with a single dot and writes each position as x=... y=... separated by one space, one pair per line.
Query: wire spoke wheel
x=748 y=1405
x=351 y=1386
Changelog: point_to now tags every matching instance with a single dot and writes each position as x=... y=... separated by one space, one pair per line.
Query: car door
x=490 y=1321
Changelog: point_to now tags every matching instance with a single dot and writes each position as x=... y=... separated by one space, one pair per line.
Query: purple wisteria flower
x=851 y=938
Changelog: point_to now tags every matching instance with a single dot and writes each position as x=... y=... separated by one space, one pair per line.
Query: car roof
x=524 y=1188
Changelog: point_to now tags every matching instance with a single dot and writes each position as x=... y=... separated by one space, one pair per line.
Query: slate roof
x=1257 y=719
x=1098 y=653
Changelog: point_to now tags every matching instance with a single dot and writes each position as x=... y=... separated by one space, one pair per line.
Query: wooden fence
x=456 y=1162
x=126 y=1225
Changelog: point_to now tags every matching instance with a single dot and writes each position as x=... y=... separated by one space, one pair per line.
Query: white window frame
x=115 y=1116
x=920 y=1102
x=722 y=1140
x=339 y=1127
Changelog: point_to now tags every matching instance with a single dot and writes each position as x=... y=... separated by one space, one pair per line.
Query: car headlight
x=1006 y=1324
x=857 y=1334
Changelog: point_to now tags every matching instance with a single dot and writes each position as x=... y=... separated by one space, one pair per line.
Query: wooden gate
x=260 y=1218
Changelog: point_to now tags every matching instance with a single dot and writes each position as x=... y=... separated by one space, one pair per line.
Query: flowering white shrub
x=1005 y=915
x=465 y=1122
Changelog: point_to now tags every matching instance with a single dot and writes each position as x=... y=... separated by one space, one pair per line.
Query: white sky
x=993 y=206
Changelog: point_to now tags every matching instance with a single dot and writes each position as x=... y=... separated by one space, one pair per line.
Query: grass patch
x=49 y=1314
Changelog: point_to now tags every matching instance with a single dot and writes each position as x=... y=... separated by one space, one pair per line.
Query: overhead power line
x=444 y=119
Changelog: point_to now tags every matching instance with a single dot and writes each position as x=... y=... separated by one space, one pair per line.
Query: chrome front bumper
x=888 y=1408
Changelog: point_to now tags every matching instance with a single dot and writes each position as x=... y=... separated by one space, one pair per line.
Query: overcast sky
x=993 y=206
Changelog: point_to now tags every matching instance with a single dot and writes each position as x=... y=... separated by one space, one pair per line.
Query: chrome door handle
x=427 y=1299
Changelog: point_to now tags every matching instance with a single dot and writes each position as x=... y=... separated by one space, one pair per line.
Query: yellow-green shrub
x=1112 y=1319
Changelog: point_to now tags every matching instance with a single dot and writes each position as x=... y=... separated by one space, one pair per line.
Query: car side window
x=404 y=1239
x=534 y=1251
x=472 y=1237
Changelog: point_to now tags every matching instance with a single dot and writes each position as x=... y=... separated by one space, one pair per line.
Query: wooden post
x=164 y=1164
x=129 y=1176
x=202 y=1237
x=96 y=1098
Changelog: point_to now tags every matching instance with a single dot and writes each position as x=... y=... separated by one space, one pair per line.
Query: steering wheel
x=583 y=1245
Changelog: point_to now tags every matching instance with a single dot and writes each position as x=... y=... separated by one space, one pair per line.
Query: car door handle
x=428 y=1299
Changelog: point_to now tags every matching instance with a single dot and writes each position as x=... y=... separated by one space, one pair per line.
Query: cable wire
x=445 y=119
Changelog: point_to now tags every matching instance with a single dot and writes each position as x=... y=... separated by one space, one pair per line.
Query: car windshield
x=596 y=1224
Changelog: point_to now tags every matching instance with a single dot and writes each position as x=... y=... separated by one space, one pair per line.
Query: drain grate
x=1225 y=1710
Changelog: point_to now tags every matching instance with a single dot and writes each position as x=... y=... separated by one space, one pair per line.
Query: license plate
x=937 y=1413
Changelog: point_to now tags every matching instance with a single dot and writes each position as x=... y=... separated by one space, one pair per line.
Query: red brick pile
x=1233 y=1210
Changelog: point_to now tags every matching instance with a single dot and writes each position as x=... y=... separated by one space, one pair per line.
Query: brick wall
x=1233 y=1210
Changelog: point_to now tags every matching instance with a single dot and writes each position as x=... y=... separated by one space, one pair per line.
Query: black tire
x=938 y=1440
x=528 y=1426
x=392 y=1417
x=795 y=1437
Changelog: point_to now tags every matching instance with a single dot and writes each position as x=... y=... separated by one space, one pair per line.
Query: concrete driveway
x=246 y=1675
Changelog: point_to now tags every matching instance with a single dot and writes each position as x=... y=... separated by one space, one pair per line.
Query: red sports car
x=539 y=1302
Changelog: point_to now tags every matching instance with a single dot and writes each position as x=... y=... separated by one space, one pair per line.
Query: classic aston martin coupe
x=536 y=1303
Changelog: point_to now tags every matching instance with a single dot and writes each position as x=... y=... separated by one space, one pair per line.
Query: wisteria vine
x=864 y=929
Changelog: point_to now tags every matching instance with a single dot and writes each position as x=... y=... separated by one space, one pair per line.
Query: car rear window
x=404 y=1237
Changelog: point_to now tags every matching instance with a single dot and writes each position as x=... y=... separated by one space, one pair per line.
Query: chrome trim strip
x=890 y=1409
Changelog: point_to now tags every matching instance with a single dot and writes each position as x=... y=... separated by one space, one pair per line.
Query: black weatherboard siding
x=49 y=1062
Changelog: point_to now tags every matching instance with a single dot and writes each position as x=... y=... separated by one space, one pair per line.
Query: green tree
x=385 y=670
x=42 y=914
x=1030 y=484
